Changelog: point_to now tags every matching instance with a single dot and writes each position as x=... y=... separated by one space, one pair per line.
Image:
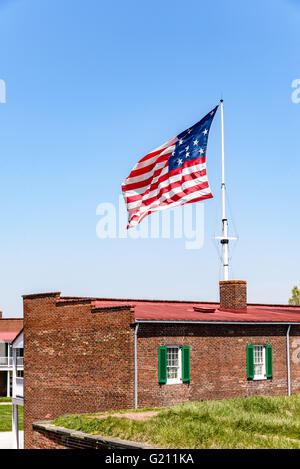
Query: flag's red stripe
x=147 y=182
x=168 y=202
x=151 y=155
x=172 y=185
x=157 y=151
x=144 y=183
x=185 y=178
x=207 y=196
x=176 y=197
x=147 y=169
x=165 y=177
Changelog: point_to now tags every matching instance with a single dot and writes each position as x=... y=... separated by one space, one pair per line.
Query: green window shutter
x=186 y=369
x=269 y=361
x=250 y=361
x=6 y=349
x=162 y=364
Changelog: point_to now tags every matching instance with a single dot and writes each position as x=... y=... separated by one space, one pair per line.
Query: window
x=259 y=362
x=173 y=364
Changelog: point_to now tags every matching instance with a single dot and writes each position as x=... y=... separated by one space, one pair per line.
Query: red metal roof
x=184 y=311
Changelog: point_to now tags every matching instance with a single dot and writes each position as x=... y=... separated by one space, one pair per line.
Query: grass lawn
x=5 y=399
x=252 y=422
x=5 y=418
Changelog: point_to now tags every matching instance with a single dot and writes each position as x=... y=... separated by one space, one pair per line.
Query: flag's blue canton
x=192 y=143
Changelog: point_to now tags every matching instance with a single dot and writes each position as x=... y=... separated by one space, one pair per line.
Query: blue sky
x=92 y=86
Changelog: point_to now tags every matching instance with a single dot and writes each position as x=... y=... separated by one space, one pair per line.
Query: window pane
x=172 y=373
x=172 y=362
x=259 y=362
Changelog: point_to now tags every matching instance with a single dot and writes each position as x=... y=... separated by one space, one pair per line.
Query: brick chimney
x=233 y=296
x=0 y=314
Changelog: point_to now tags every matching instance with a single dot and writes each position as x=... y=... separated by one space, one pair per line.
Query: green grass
x=5 y=399
x=5 y=418
x=252 y=422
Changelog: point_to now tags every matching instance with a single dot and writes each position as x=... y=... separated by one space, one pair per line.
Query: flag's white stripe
x=157 y=206
x=145 y=176
x=188 y=197
x=194 y=182
x=194 y=195
x=175 y=178
x=168 y=150
x=185 y=185
x=164 y=171
x=164 y=149
x=141 y=190
x=170 y=142
x=137 y=207
x=170 y=180
x=169 y=195
x=144 y=164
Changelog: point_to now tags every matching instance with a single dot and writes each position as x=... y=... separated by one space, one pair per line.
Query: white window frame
x=177 y=380
x=262 y=375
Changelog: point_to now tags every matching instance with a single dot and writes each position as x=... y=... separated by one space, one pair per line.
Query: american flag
x=171 y=175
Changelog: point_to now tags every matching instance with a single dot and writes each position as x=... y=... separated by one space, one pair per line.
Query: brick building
x=9 y=328
x=90 y=355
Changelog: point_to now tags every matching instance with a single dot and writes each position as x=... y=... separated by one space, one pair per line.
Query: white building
x=17 y=386
x=6 y=364
x=9 y=328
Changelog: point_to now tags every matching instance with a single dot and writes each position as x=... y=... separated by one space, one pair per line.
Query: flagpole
x=224 y=240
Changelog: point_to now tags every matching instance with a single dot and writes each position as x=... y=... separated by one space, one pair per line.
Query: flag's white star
x=187 y=154
x=201 y=151
x=186 y=148
x=180 y=141
x=196 y=142
x=212 y=113
x=205 y=131
x=173 y=153
x=189 y=131
x=179 y=161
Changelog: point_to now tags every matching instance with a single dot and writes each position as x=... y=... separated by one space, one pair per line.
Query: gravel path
x=131 y=415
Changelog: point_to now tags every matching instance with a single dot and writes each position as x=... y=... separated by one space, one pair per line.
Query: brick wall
x=47 y=436
x=80 y=359
x=42 y=439
x=76 y=358
x=233 y=295
x=218 y=362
